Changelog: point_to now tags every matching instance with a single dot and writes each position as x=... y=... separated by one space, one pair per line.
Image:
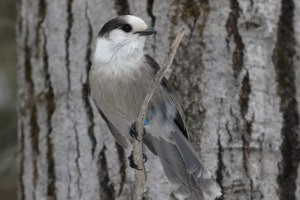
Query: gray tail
x=192 y=180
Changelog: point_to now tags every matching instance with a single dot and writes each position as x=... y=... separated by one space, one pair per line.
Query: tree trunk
x=236 y=73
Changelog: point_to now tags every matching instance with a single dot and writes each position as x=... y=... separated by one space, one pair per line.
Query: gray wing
x=121 y=140
x=179 y=118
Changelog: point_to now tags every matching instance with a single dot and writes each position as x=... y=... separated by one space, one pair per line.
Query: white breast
x=118 y=95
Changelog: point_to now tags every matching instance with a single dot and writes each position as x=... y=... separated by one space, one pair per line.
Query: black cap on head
x=115 y=23
x=127 y=23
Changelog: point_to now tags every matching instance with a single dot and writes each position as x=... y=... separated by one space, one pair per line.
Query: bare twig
x=140 y=175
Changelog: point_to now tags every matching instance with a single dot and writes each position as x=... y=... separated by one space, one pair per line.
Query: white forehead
x=136 y=22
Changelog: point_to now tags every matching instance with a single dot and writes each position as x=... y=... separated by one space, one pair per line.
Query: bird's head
x=122 y=36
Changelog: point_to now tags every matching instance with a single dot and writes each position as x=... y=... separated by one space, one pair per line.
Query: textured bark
x=236 y=73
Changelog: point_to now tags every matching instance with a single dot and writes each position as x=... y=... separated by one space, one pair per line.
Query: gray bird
x=119 y=78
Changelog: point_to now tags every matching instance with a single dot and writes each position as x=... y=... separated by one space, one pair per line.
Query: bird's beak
x=149 y=31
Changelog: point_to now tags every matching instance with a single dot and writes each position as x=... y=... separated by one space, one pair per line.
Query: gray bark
x=236 y=73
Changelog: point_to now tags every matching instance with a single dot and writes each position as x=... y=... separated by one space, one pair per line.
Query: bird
x=119 y=77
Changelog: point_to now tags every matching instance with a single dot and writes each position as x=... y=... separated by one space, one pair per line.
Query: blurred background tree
x=8 y=128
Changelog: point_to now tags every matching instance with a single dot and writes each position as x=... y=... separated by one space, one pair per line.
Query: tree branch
x=140 y=175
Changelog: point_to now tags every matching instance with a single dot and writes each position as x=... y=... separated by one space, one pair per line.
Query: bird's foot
x=134 y=133
x=132 y=163
x=144 y=158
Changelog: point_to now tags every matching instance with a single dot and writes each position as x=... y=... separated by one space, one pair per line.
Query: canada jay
x=119 y=78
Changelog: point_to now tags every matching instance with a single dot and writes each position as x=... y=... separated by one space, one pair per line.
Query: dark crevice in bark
x=261 y=142
x=35 y=143
x=41 y=17
x=221 y=165
x=34 y=128
x=77 y=161
x=246 y=132
x=244 y=95
x=286 y=88
x=246 y=137
x=228 y=131
x=67 y=40
x=150 y=12
x=85 y=86
x=232 y=30
x=122 y=7
x=51 y=192
x=70 y=177
x=21 y=163
x=122 y=170
x=70 y=20
x=153 y=19
x=50 y=107
x=107 y=190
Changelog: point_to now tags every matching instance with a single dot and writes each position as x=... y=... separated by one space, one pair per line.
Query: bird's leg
x=134 y=133
x=131 y=161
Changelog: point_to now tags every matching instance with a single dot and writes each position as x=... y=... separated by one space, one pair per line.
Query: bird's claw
x=134 y=133
x=144 y=158
x=132 y=163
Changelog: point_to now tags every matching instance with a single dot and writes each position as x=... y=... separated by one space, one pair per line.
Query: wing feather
x=179 y=117
x=121 y=140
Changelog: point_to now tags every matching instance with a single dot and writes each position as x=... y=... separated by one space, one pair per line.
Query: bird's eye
x=127 y=28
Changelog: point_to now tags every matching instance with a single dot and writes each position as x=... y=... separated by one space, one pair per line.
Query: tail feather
x=191 y=179
x=201 y=176
x=173 y=166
